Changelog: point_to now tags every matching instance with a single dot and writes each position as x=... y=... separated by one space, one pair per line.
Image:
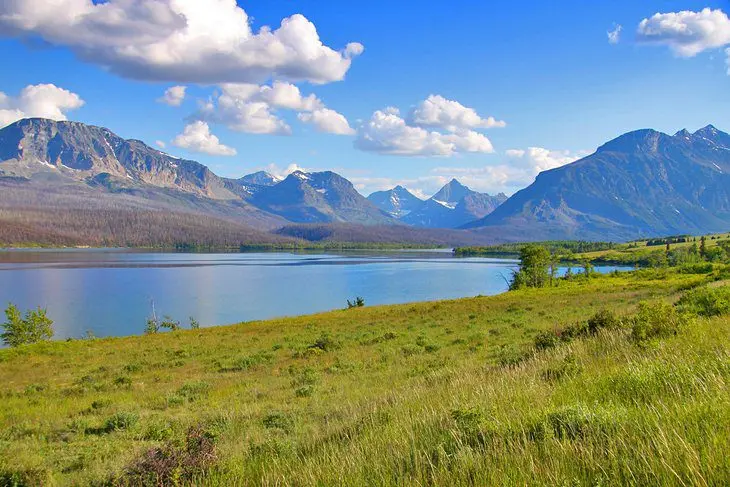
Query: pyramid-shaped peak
x=683 y=133
x=708 y=131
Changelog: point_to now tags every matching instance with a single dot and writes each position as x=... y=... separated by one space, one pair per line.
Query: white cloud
x=538 y=159
x=197 y=41
x=687 y=33
x=287 y=95
x=387 y=133
x=438 y=112
x=328 y=121
x=251 y=108
x=234 y=109
x=43 y=100
x=283 y=172
x=173 y=96
x=196 y=137
x=516 y=172
x=161 y=144
x=614 y=36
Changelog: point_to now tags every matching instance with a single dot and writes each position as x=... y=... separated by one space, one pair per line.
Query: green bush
x=658 y=320
x=325 y=343
x=706 y=301
x=603 y=319
x=545 y=340
x=278 y=420
x=696 y=268
x=120 y=421
x=34 y=327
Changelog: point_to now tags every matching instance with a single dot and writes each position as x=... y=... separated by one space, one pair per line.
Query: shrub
x=123 y=381
x=304 y=391
x=706 y=301
x=20 y=478
x=603 y=319
x=512 y=357
x=278 y=420
x=358 y=302
x=659 y=320
x=193 y=390
x=34 y=327
x=194 y=324
x=410 y=349
x=696 y=268
x=545 y=340
x=174 y=462
x=325 y=343
x=119 y=421
x=169 y=323
x=248 y=362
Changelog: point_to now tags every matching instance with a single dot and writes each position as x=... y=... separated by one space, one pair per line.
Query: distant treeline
x=554 y=246
x=670 y=240
x=126 y=228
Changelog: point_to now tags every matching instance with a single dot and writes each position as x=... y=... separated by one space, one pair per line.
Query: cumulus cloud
x=687 y=33
x=173 y=96
x=614 y=36
x=438 y=112
x=327 y=121
x=196 y=137
x=518 y=170
x=387 y=133
x=251 y=108
x=245 y=108
x=196 y=41
x=43 y=100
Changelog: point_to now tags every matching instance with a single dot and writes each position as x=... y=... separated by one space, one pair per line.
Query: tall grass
x=401 y=395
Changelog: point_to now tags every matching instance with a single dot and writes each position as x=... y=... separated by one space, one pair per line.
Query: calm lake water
x=110 y=292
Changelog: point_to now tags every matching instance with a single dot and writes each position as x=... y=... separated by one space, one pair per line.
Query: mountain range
x=643 y=183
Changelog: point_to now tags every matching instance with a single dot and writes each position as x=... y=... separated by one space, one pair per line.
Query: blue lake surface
x=111 y=292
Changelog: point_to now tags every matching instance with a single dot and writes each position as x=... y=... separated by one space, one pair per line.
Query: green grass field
x=446 y=393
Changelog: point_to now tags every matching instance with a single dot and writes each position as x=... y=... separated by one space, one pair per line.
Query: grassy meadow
x=524 y=388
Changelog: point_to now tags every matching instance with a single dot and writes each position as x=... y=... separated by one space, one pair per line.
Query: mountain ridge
x=641 y=183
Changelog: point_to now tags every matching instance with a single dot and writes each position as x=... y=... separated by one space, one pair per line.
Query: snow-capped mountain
x=318 y=197
x=453 y=206
x=397 y=202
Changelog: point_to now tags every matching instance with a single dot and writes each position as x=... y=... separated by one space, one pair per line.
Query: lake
x=112 y=292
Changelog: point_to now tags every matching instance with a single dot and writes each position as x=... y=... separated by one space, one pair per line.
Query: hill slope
x=642 y=183
x=449 y=393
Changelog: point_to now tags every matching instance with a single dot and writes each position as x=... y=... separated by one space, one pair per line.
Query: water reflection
x=109 y=292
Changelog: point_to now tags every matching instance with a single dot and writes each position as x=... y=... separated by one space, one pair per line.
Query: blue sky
x=547 y=69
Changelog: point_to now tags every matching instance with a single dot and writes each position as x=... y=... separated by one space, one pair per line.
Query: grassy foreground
x=447 y=393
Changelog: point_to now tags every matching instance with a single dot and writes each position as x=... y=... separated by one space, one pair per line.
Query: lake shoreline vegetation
x=654 y=252
x=586 y=379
